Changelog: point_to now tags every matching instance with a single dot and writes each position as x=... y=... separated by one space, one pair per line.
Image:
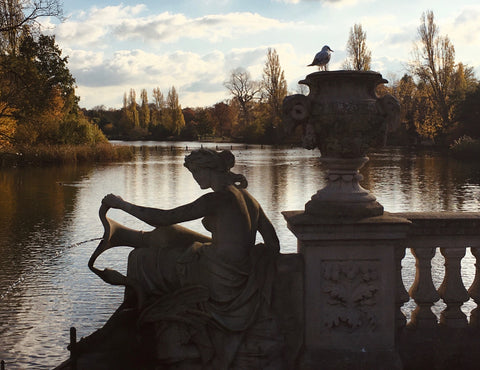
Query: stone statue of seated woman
x=193 y=300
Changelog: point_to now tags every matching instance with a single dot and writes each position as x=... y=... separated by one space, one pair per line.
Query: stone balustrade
x=354 y=253
x=452 y=233
x=355 y=289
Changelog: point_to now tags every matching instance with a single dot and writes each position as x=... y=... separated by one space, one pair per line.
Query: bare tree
x=243 y=89
x=21 y=16
x=359 y=56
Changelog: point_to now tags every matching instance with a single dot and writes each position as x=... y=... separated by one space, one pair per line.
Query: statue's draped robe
x=204 y=305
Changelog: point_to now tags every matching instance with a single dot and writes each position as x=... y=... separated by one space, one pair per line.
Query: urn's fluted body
x=344 y=117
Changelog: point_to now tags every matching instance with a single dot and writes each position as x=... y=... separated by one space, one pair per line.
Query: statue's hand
x=113 y=201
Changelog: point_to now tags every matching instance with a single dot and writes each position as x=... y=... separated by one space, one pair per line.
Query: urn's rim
x=345 y=74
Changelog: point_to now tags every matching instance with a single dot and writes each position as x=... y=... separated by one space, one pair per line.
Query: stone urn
x=345 y=118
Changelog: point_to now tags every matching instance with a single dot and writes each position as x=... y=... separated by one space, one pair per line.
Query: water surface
x=46 y=214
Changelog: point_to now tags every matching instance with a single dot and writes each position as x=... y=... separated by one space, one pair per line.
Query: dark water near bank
x=46 y=214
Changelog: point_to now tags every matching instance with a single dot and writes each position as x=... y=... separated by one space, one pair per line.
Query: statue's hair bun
x=228 y=158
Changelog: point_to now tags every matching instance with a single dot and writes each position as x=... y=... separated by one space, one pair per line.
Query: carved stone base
x=349 y=274
x=343 y=196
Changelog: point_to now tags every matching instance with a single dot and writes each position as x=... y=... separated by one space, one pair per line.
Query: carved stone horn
x=114 y=235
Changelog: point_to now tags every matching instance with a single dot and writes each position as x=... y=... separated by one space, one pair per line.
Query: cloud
x=167 y=27
x=102 y=26
x=192 y=74
x=390 y=66
x=335 y=2
x=114 y=49
x=249 y=58
x=98 y=42
x=83 y=60
x=465 y=28
x=328 y=3
x=92 y=27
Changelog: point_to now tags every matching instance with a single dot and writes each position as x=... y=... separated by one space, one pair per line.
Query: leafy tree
x=359 y=56
x=225 y=118
x=49 y=64
x=469 y=114
x=204 y=122
x=463 y=83
x=39 y=90
x=106 y=119
x=434 y=65
x=158 y=106
x=425 y=115
x=8 y=125
x=80 y=131
x=133 y=108
x=174 y=120
x=406 y=92
x=144 y=109
x=274 y=87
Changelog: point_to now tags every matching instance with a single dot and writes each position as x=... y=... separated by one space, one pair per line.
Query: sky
x=194 y=45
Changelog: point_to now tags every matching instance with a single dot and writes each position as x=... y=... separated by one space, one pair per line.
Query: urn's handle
x=389 y=107
x=296 y=109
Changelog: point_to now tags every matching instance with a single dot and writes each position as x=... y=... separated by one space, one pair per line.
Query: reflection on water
x=46 y=287
x=405 y=181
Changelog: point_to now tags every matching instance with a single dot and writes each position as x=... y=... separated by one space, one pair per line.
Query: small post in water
x=73 y=347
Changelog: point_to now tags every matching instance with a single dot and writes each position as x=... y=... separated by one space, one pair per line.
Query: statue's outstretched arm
x=201 y=207
x=266 y=229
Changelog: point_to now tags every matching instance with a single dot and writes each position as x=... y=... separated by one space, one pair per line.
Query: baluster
x=423 y=291
x=402 y=294
x=452 y=290
x=474 y=290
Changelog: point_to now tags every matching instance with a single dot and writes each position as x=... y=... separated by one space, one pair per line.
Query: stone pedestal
x=343 y=196
x=349 y=278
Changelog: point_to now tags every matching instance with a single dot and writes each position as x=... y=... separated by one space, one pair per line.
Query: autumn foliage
x=38 y=105
x=37 y=97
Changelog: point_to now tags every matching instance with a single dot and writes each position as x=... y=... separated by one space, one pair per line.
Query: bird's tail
x=311 y=64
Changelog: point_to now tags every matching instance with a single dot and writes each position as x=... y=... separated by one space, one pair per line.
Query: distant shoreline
x=64 y=154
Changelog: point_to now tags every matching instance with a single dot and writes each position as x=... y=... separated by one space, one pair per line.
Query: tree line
x=38 y=105
x=439 y=99
x=253 y=114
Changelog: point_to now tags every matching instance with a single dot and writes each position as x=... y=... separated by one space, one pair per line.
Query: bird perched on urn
x=322 y=58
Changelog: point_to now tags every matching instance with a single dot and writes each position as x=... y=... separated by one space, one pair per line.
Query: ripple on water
x=45 y=284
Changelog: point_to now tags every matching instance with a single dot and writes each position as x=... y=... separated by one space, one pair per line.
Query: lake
x=49 y=225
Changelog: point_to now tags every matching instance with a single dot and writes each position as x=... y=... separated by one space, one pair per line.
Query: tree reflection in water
x=46 y=212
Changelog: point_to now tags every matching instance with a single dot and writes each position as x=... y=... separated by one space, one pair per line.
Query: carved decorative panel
x=351 y=293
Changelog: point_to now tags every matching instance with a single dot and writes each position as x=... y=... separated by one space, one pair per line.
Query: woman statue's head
x=218 y=163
